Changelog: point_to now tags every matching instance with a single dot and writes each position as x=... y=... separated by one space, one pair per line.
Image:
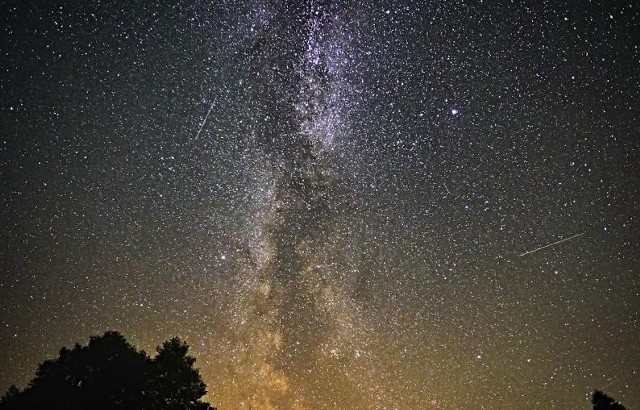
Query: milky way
x=338 y=205
x=294 y=314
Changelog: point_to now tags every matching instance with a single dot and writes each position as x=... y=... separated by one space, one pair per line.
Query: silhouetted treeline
x=603 y=402
x=109 y=373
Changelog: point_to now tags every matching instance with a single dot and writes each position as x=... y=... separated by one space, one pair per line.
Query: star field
x=345 y=205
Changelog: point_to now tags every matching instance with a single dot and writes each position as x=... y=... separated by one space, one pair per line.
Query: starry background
x=334 y=203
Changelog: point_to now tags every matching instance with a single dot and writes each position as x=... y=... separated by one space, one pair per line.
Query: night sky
x=338 y=205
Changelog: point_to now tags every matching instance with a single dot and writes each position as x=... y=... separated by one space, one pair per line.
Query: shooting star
x=552 y=244
x=204 y=121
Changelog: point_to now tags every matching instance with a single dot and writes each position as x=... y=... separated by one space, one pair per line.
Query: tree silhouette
x=601 y=401
x=109 y=373
x=178 y=384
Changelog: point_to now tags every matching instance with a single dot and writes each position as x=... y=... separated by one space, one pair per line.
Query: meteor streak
x=552 y=244
x=204 y=121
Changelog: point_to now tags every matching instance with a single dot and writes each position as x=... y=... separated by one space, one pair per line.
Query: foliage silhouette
x=601 y=401
x=109 y=373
